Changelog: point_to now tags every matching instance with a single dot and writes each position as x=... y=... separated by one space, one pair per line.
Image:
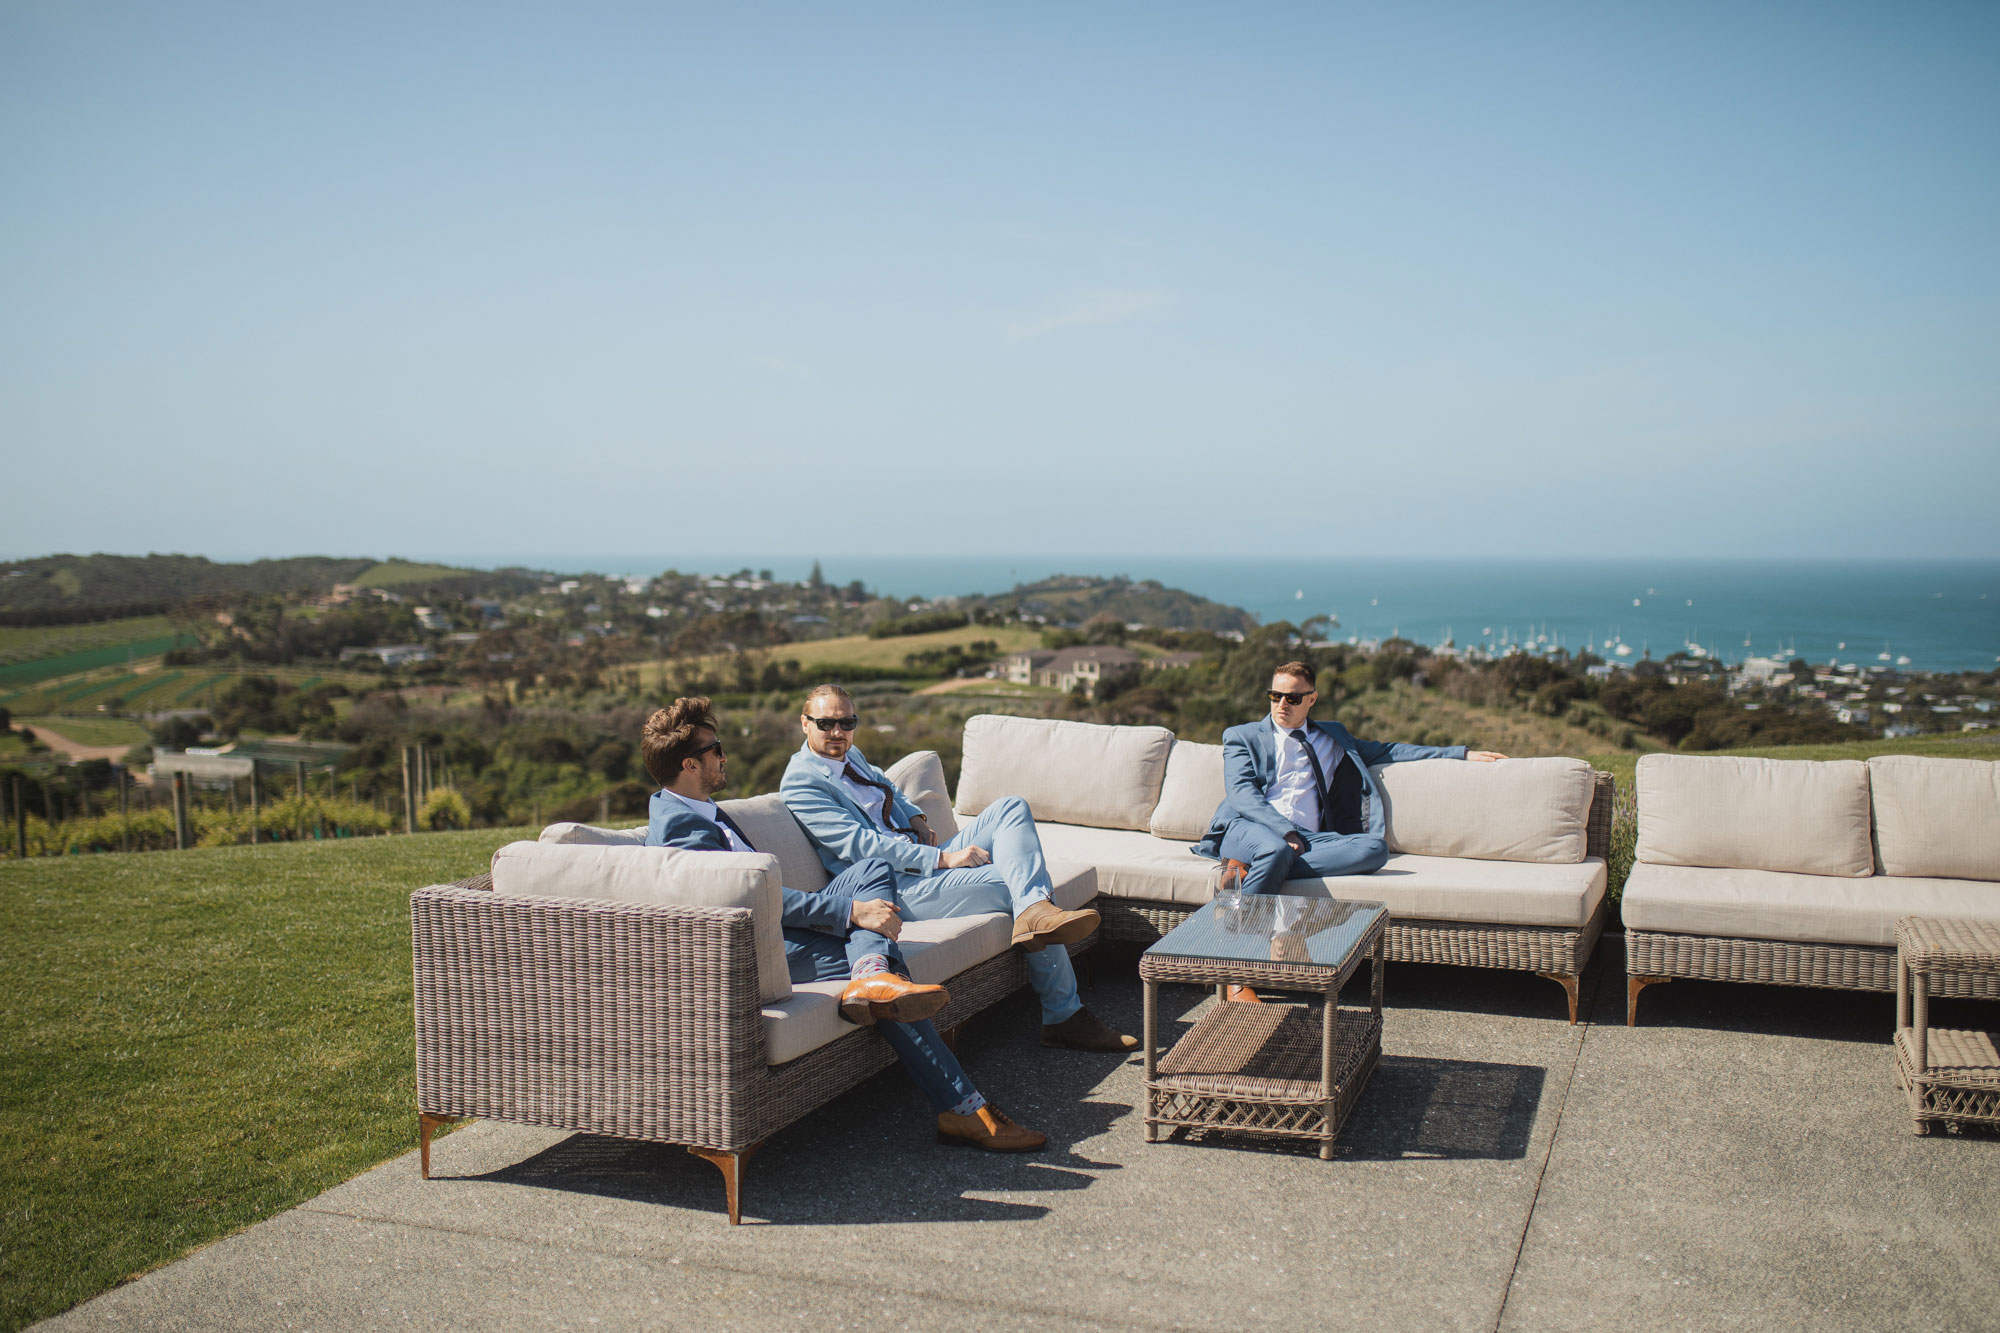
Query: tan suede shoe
x=887 y=996
x=1085 y=1031
x=987 y=1128
x=1044 y=924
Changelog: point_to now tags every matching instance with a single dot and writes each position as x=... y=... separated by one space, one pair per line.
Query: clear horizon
x=1542 y=281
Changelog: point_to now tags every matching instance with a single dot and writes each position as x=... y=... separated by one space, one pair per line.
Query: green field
x=860 y=651
x=90 y=659
x=396 y=573
x=92 y=730
x=31 y=643
x=195 y=1041
x=154 y=691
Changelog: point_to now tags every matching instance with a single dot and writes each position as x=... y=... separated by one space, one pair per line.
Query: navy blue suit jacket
x=674 y=824
x=1250 y=762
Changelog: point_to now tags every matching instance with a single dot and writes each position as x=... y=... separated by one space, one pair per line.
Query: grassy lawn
x=26 y=643
x=861 y=652
x=93 y=730
x=197 y=1040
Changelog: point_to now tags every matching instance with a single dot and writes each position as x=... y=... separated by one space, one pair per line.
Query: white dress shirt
x=869 y=798
x=1294 y=794
x=707 y=810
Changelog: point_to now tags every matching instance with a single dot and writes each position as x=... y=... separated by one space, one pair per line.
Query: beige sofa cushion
x=1936 y=817
x=772 y=829
x=657 y=875
x=1784 y=815
x=1069 y=772
x=920 y=776
x=1804 y=909
x=1446 y=888
x=1191 y=792
x=589 y=835
x=1131 y=864
x=1513 y=810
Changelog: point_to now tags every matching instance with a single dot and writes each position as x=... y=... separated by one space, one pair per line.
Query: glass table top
x=1272 y=927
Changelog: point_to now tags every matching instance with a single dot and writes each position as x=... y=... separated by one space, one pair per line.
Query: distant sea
x=1941 y=615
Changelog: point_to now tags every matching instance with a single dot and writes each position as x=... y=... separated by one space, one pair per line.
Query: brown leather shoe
x=1242 y=995
x=1044 y=924
x=887 y=996
x=1084 y=1031
x=1233 y=872
x=987 y=1128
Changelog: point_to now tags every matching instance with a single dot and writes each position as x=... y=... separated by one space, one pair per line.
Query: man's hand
x=878 y=916
x=922 y=828
x=1483 y=756
x=1296 y=841
x=963 y=857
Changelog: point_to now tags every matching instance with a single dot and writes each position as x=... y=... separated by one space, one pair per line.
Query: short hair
x=1303 y=670
x=668 y=738
x=822 y=691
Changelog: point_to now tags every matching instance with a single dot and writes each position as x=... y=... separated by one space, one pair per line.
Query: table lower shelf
x=1255 y=1069
x=1959 y=1081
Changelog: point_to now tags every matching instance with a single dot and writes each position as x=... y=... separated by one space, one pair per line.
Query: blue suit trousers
x=1272 y=860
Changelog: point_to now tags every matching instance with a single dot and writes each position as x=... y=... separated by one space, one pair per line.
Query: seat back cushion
x=1794 y=816
x=663 y=876
x=1190 y=793
x=1067 y=772
x=771 y=828
x=1936 y=818
x=919 y=775
x=1513 y=810
x=591 y=835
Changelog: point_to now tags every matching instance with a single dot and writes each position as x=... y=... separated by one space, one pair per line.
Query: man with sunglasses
x=1299 y=801
x=853 y=811
x=848 y=930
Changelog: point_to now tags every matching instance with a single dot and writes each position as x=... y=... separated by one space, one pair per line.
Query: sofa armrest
x=1597 y=824
x=635 y=1020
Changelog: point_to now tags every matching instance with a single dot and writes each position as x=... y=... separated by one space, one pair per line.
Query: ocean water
x=1941 y=615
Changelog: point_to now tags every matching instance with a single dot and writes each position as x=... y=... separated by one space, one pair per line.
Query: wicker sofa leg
x=1633 y=985
x=1569 y=982
x=730 y=1164
x=427 y=1125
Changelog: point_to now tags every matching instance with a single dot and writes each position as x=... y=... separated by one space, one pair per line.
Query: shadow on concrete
x=1775 y=1011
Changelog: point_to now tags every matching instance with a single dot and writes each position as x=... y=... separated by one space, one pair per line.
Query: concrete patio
x=1740 y=1160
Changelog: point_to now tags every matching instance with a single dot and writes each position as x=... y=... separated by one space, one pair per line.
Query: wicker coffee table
x=1284 y=1069
x=1951 y=1075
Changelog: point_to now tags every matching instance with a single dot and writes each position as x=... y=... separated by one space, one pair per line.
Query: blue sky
x=1713 y=279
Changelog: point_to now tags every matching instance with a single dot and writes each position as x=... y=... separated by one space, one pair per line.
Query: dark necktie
x=1319 y=778
x=722 y=818
x=888 y=797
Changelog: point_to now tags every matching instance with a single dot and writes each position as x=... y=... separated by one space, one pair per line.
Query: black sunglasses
x=712 y=745
x=1275 y=695
x=848 y=723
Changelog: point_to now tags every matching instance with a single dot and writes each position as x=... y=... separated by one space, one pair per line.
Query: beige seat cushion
x=1191 y=792
x=589 y=835
x=1802 y=909
x=1513 y=810
x=1069 y=772
x=771 y=828
x=1130 y=864
x=657 y=875
x=1447 y=888
x=920 y=776
x=1936 y=817
x=1785 y=815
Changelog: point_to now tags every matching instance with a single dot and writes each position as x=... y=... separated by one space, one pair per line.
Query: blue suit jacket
x=674 y=824
x=1250 y=762
x=841 y=831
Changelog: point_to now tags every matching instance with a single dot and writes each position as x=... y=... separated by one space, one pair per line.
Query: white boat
x=1902 y=661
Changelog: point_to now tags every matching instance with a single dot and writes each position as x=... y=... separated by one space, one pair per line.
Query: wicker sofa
x=1793 y=872
x=590 y=983
x=1492 y=865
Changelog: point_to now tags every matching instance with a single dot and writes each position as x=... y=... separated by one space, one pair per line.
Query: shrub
x=444 y=809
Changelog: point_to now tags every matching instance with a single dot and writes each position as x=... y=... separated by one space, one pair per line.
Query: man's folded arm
x=833 y=826
x=823 y=912
x=1244 y=794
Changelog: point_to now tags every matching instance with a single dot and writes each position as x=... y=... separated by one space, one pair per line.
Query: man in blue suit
x=852 y=811
x=1299 y=801
x=847 y=930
